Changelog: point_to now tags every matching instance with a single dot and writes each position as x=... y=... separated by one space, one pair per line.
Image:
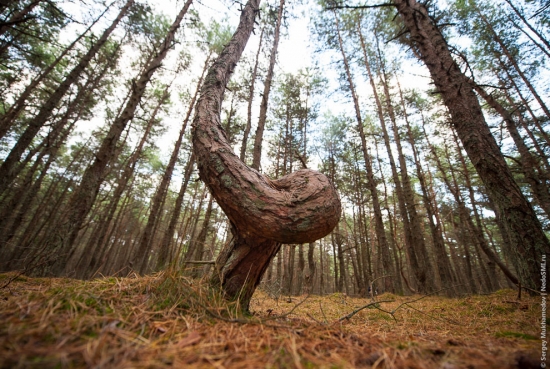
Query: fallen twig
x=347 y=317
x=405 y=303
x=372 y=294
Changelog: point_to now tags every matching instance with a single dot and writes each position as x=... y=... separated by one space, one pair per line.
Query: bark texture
x=298 y=208
x=528 y=239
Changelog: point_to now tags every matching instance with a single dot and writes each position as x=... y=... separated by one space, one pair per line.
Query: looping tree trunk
x=299 y=208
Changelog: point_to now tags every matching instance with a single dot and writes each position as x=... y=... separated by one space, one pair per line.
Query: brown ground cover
x=167 y=320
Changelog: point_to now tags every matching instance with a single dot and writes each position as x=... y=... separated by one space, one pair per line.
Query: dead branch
x=372 y=285
x=347 y=317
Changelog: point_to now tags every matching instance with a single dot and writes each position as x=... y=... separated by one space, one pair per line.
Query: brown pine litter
x=170 y=321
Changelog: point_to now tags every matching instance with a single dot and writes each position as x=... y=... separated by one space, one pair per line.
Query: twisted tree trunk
x=298 y=208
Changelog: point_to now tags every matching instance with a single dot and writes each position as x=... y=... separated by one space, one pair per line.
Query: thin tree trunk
x=310 y=276
x=258 y=139
x=95 y=250
x=300 y=273
x=84 y=196
x=443 y=264
x=8 y=167
x=201 y=238
x=251 y=99
x=531 y=28
x=7 y=120
x=145 y=245
x=165 y=245
x=512 y=60
x=405 y=196
x=21 y=203
x=371 y=182
x=528 y=162
x=19 y=17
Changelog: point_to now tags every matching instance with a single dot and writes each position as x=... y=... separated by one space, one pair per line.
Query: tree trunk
x=532 y=29
x=257 y=153
x=371 y=182
x=310 y=276
x=84 y=196
x=7 y=170
x=251 y=99
x=7 y=120
x=165 y=245
x=201 y=239
x=300 y=207
x=18 y=17
x=405 y=196
x=443 y=264
x=145 y=244
x=20 y=205
x=528 y=162
x=528 y=239
x=513 y=61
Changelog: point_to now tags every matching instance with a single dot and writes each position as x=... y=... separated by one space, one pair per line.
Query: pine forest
x=278 y=184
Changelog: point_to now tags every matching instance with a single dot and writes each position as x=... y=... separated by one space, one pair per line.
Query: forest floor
x=166 y=320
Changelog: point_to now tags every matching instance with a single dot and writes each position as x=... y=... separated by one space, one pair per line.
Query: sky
x=296 y=51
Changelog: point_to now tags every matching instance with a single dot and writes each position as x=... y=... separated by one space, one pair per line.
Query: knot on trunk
x=298 y=208
x=306 y=207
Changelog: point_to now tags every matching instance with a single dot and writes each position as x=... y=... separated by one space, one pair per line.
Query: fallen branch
x=201 y=262
x=406 y=303
x=372 y=285
x=363 y=307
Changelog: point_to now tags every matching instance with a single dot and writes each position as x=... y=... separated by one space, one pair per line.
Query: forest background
x=98 y=175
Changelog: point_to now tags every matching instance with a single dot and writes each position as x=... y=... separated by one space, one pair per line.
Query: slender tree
x=84 y=196
x=8 y=169
x=528 y=239
x=258 y=139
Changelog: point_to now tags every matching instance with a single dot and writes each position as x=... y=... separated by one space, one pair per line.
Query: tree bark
x=528 y=239
x=257 y=153
x=300 y=207
x=7 y=170
x=371 y=182
x=84 y=196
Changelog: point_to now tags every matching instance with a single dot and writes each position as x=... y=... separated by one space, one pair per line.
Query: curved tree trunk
x=298 y=208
